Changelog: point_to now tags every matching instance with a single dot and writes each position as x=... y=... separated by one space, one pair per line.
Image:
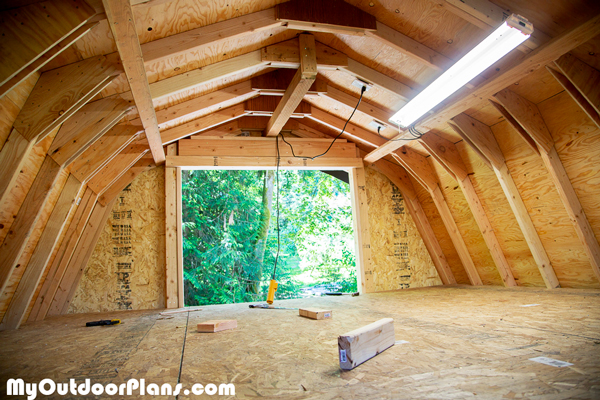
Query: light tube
x=513 y=31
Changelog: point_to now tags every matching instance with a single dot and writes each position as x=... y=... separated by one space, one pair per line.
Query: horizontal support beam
x=233 y=162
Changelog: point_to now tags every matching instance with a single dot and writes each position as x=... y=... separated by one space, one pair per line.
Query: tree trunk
x=265 y=218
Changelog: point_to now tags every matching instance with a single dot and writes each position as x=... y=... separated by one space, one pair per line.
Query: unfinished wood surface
x=517 y=70
x=403 y=254
x=126 y=270
x=85 y=127
x=286 y=55
x=315 y=313
x=60 y=93
x=121 y=21
x=171 y=271
x=217 y=325
x=117 y=167
x=12 y=158
x=145 y=163
x=29 y=32
x=238 y=162
x=179 y=204
x=361 y=344
x=482 y=137
x=486 y=336
x=65 y=252
x=302 y=81
x=44 y=249
x=335 y=13
x=361 y=226
x=584 y=77
x=26 y=218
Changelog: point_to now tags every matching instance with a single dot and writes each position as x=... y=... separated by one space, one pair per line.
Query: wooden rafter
x=518 y=70
x=481 y=136
x=527 y=115
x=121 y=21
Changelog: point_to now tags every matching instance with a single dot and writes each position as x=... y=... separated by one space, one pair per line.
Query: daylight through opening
x=230 y=241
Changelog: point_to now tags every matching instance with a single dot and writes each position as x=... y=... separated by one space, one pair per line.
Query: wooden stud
x=302 y=81
x=265 y=106
x=574 y=92
x=360 y=224
x=418 y=166
x=237 y=162
x=364 y=107
x=171 y=273
x=516 y=71
x=144 y=164
x=81 y=255
x=112 y=171
x=59 y=93
x=217 y=325
x=286 y=55
x=29 y=32
x=315 y=313
x=28 y=215
x=44 y=249
x=61 y=261
x=46 y=58
x=364 y=343
x=482 y=136
x=352 y=132
x=179 y=198
x=84 y=128
x=121 y=21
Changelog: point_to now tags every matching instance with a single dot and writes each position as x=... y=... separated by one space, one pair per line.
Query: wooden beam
x=285 y=55
x=420 y=169
x=276 y=82
x=78 y=263
x=516 y=71
x=41 y=255
x=29 y=32
x=481 y=136
x=265 y=106
x=352 y=132
x=46 y=58
x=302 y=81
x=121 y=21
x=364 y=343
x=258 y=147
x=171 y=273
x=360 y=224
x=400 y=178
x=12 y=159
x=61 y=92
x=112 y=171
x=85 y=127
x=179 y=204
x=528 y=117
x=522 y=132
x=446 y=154
x=25 y=220
x=144 y=164
x=96 y=156
x=240 y=162
x=63 y=256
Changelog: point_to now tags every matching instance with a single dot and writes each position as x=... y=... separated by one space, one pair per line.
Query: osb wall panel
x=399 y=259
x=547 y=212
x=15 y=278
x=503 y=221
x=459 y=208
x=126 y=270
x=441 y=234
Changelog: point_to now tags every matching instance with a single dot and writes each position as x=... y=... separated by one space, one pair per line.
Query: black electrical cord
x=362 y=91
x=411 y=130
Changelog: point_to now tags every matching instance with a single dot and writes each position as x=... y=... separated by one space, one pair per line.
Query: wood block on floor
x=361 y=344
x=315 y=313
x=217 y=325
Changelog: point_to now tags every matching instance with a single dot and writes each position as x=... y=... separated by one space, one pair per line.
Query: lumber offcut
x=315 y=313
x=364 y=343
x=217 y=325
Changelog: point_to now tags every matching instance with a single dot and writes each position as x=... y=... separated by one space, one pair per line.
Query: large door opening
x=229 y=225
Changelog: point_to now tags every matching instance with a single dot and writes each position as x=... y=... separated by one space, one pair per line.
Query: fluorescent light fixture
x=514 y=31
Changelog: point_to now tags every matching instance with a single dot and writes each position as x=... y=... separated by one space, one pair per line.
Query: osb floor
x=463 y=342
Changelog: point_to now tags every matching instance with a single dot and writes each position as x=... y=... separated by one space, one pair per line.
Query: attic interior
x=477 y=226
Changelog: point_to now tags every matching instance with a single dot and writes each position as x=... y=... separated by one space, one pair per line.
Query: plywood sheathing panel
x=546 y=210
x=502 y=219
x=15 y=277
x=441 y=234
x=399 y=258
x=11 y=104
x=126 y=269
x=459 y=208
x=461 y=341
x=577 y=141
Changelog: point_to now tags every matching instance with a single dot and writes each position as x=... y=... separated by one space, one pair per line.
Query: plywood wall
x=399 y=259
x=126 y=270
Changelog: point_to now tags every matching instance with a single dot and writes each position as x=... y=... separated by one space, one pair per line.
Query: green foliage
x=225 y=218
